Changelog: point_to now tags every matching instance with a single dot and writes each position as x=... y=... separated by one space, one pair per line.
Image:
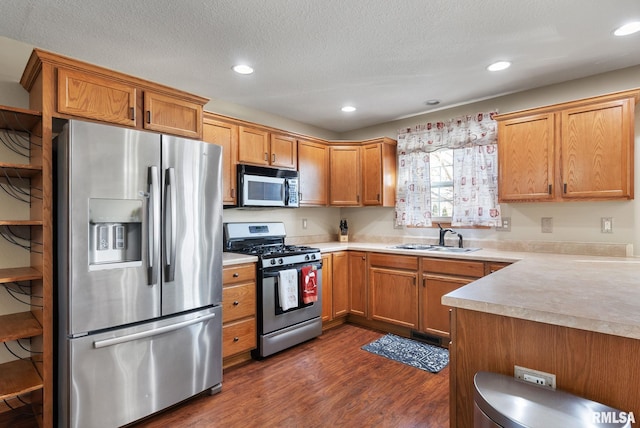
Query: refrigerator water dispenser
x=115 y=233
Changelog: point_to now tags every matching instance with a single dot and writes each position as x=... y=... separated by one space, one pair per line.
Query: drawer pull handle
x=235 y=275
x=236 y=303
x=236 y=339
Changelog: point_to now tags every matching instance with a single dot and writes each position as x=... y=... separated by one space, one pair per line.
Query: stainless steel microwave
x=267 y=187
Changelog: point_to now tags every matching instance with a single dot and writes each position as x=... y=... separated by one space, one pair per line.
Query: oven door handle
x=275 y=273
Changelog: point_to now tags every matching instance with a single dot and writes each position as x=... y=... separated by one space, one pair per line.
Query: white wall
x=572 y=221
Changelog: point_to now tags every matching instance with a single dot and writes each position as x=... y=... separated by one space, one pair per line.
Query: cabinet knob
x=236 y=303
x=148 y=116
x=132 y=112
x=236 y=339
x=364 y=258
x=274 y=157
x=266 y=157
x=235 y=275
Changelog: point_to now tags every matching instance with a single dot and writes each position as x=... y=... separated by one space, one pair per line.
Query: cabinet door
x=344 y=187
x=95 y=97
x=253 y=146
x=394 y=296
x=526 y=158
x=597 y=150
x=372 y=174
x=340 y=284
x=358 y=283
x=284 y=151
x=313 y=167
x=225 y=135
x=434 y=316
x=327 y=288
x=172 y=115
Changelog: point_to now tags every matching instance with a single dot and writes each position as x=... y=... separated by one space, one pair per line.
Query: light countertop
x=600 y=294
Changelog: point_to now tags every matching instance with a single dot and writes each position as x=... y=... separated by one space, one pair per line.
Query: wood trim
x=39 y=57
x=596 y=366
x=632 y=93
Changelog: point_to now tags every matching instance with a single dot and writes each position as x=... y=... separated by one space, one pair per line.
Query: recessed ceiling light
x=630 y=28
x=500 y=65
x=242 y=69
x=432 y=102
x=348 y=109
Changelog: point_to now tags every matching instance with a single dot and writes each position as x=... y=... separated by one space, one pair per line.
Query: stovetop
x=266 y=251
x=266 y=241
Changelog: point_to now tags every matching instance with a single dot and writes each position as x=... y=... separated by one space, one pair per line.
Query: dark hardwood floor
x=326 y=382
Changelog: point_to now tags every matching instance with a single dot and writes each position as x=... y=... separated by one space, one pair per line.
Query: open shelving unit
x=26 y=334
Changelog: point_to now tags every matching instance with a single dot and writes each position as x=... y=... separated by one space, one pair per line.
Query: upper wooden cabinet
x=344 y=181
x=260 y=147
x=313 y=170
x=224 y=134
x=284 y=151
x=581 y=150
x=94 y=97
x=172 y=115
x=379 y=173
x=69 y=88
x=363 y=173
x=526 y=166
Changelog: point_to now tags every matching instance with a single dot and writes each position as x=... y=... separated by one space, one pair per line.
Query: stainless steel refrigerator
x=139 y=271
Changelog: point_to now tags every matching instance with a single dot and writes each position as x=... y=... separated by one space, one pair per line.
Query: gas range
x=266 y=241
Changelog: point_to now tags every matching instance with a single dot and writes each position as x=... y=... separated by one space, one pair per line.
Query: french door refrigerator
x=139 y=268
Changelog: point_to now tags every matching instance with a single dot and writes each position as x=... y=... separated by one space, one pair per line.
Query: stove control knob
x=273 y=261
x=280 y=261
x=306 y=257
x=313 y=256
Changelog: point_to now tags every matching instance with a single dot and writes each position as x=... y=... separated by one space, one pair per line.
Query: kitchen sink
x=413 y=247
x=439 y=248
x=453 y=249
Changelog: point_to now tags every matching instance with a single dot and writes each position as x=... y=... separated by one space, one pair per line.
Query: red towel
x=309 y=284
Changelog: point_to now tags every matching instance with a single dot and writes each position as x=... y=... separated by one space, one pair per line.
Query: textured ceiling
x=386 y=57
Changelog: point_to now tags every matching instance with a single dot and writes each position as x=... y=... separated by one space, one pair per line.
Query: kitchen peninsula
x=576 y=317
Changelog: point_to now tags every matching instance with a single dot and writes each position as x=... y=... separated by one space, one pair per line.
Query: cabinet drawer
x=395 y=262
x=238 y=301
x=453 y=267
x=238 y=337
x=240 y=273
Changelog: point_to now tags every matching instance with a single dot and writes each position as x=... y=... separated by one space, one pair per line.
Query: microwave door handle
x=153 y=225
x=286 y=192
x=170 y=235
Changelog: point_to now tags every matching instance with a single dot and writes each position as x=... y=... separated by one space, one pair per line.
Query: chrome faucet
x=443 y=232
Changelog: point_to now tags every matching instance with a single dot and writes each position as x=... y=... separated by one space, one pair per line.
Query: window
x=441 y=176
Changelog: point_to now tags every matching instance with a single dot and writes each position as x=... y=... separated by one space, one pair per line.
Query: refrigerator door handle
x=170 y=237
x=149 y=333
x=153 y=225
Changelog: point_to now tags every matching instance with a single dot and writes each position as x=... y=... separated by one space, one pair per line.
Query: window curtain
x=474 y=143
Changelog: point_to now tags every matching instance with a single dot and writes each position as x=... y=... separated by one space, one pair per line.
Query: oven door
x=273 y=317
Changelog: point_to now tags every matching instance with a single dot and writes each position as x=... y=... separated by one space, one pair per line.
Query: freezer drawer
x=114 y=378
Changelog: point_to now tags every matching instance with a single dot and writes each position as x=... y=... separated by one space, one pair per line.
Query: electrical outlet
x=304 y=223
x=536 y=377
x=506 y=225
x=546 y=224
x=606 y=224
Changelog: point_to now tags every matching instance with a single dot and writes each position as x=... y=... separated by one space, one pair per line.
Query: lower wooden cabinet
x=358 y=283
x=335 y=285
x=238 y=310
x=439 y=277
x=393 y=289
